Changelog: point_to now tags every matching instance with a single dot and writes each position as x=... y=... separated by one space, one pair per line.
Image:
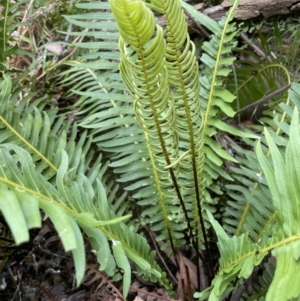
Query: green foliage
x=145 y=112
x=239 y=255
x=34 y=176
x=260 y=73
x=8 y=17
x=283 y=181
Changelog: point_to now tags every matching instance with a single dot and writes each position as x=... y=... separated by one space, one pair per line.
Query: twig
x=151 y=234
x=262 y=100
x=158 y=297
x=120 y=296
x=201 y=29
x=252 y=45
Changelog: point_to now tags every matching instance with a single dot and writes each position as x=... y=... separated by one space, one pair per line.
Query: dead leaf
x=57 y=48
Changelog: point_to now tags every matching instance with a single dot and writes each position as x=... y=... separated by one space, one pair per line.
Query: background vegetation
x=84 y=168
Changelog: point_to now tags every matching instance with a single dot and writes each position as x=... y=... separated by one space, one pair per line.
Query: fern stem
x=183 y=80
x=149 y=92
x=264 y=99
x=168 y=161
x=152 y=236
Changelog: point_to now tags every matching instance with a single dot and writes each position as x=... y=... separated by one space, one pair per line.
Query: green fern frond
x=72 y=200
x=238 y=258
x=283 y=177
x=143 y=71
x=94 y=73
x=183 y=81
x=30 y=131
x=215 y=99
x=257 y=79
x=91 y=84
x=42 y=135
x=69 y=195
x=27 y=193
x=282 y=235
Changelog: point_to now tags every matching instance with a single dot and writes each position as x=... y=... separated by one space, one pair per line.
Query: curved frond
x=93 y=76
x=142 y=63
x=72 y=194
x=256 y=79
x=42 y=135
x=71 y=200
x=183 y=80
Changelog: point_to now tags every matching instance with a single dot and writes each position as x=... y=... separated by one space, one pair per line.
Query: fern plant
x=132 y=87
x=239 y=254
x=158 y=138
x=258 y=79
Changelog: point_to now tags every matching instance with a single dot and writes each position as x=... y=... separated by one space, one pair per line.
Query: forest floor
x=41 y=270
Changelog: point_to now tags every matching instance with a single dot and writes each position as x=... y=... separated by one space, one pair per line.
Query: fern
x=153 y=123
x=282 y=177
x=176 y=150
x=67 y=198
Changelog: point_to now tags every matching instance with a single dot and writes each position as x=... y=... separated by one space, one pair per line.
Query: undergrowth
x=179 y=170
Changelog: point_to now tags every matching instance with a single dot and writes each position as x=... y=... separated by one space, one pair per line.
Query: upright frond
x=143 y=70
x=215 y=100
x=184 y=84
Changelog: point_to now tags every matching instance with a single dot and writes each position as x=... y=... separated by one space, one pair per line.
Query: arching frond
x=94 y=76
x=35 y=132
x=70 y=198
x=255 y=79
x=239 y=255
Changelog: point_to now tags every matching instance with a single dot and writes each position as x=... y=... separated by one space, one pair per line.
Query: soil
x=41 y=270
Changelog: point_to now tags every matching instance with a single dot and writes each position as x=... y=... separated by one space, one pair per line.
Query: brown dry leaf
x=187 y=283
x=192 y=270
x=158 y=294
